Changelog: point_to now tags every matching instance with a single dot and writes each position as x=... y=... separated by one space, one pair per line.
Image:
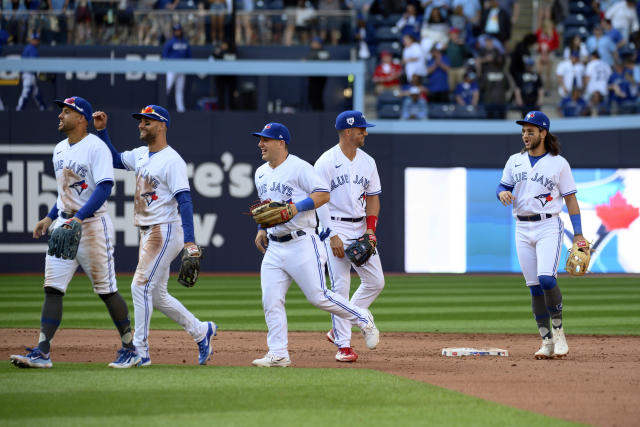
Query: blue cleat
x=205 y=349
x=127 y=357
x=33 y=359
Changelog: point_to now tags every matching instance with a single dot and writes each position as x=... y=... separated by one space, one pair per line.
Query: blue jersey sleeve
x=98 y=197
x=185 y=205
x=501 y=188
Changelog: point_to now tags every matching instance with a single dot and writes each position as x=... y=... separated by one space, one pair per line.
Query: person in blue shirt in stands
x=177 y=48
x=467 y=92
x=29 y=80
x=438 y=73
x=574 y=105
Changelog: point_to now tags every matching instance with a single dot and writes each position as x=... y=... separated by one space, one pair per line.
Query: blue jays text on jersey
x=146 y=175
x=545 y=182
x=284 y=189
x=344 y=179
x=77 y=168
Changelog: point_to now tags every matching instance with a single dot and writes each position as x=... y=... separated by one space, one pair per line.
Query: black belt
x=347 y=219
x=537 y=217
x=286 y=237
x=68 y=215
x=145 y=227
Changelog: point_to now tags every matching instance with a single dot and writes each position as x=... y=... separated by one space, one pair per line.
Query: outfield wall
x=222 y=157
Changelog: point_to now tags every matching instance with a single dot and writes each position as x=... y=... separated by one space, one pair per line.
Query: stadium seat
x=441 y=111
x=376 y=20
x=389 y=111
x=388 y=97
x=387 y=34
x=577 y=20
x=392 y=19
x=393 y=47
x=583 y=32
x=580 y=7
x=469 y=112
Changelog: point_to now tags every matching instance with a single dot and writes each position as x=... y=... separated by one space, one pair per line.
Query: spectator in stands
x=443 y=7
x=59 y=21
x=569 y=74
x=438 y=73
x=467 y=92
x=366 y=41
x=597 y=106
x=414 y=107
x=496 y=21
x=494 y=84
x=529 y=91
x=226 y=85
x=576 y=45
x=612 y=33
x=548 y=42
x=523 y=49
x=435 y=26
x=410 y=22
x=412 y=57
x=620 y=89
x=596 y=76
x=329 y=26
x=177 y=48
x=29 y=80
x=624 y=17
x=457 y=52
x=387 y=73
x=359 y=6
x=244 y=29
x=218 y=8
x=512 y=7
x=471 y=10
x=317 y=83
x=489 y=54
x=83 y=23
x=298 y=22
x=573 y=105
x=603 y=44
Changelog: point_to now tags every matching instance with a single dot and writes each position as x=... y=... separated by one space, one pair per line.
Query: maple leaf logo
x=618 y=214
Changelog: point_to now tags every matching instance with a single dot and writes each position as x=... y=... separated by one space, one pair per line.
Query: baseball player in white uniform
x=536 y=181
x=163 y=211
x=84 y=177
x=292 y=250
x=352 y=177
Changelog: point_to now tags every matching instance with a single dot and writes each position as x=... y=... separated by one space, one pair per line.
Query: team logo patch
x=544 y=198
x=363 y=198
x=267 y=126
x=79 y=186
x=351 y=121
x=150 y=197
x=531 y=115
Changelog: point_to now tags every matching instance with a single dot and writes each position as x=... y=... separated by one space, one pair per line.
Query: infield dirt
x=598 y=383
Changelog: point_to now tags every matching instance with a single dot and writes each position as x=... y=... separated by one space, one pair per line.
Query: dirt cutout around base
x=598 y=383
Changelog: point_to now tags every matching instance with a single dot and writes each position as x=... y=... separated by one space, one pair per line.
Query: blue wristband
x=305 y=205
x=576 y=223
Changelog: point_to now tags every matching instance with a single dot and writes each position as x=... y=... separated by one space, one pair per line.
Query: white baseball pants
x=178 y=79
x=539 y=245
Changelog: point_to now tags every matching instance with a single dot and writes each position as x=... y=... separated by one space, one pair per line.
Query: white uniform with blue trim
x=538 y=190
x=79 y=168
x=158 y=179
x=301 y=259
x=350 y=182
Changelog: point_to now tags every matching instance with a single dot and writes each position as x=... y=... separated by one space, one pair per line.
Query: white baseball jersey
x=350 y=181
x=79 y=168
x=290 y=182
x=538 y=189
x=598 y=73
x=158 y=179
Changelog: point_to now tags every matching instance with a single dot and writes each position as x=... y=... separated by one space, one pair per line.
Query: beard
x=147 y=136
x=535 y=144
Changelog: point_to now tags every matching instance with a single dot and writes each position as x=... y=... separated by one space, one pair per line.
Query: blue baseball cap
x=153 y=112
x=536 y=118
x=177 y=27
x=351 y=119
x=78 y=104
x=274 y=131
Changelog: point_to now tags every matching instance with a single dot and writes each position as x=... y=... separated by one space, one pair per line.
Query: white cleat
x=546 y=350
x=271 y=360
x=370 y=332
x=560 y=347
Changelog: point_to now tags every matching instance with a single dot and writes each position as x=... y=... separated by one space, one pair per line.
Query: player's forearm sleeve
x=501 y=188
x=117 y=159
x=185 y=205
x=98 y=197
x=324 y=215
x=53 y=213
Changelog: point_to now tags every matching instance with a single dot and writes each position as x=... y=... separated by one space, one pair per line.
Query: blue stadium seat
x=392 y=19
x=376 y=20
x=394 y=47
x=580 y=7
x=570 y=32
x=388 y=97
x=387 y=34
x=389 y=111
x=577 y=20
x=441 y=111
x=469 y=112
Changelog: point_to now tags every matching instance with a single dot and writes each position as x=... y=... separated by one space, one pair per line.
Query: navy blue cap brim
x=63 y=104
x=266 y=136
x=140 y=116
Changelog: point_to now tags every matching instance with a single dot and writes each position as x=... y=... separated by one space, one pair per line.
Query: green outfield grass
x=89 y=394
x=490 y=304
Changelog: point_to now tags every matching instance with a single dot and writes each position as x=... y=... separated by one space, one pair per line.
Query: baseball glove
x=65 y=240
x=268 y=213
x=578 y=258
x=362 y=249
x=190 y=266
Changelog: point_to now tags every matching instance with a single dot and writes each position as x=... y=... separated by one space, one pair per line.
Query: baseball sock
x=539 y=309
x=553 y=299
x=50 y=318
x=120 y=315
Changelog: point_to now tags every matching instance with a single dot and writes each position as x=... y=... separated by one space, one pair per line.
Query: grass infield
x=90 y=394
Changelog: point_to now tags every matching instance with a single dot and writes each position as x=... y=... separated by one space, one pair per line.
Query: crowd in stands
x=425 y=58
